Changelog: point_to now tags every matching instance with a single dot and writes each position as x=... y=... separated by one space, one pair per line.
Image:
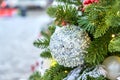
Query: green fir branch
x=98 y=18
x=56 y=72
x=65 y=13
x=86 y=25
x=51 y=29
x=113 y=15
x=45 y=35
x=41 y=43
x=36 y=76
x=114 y=45
x=44 y=43
x=101 y=30
x=51 y=11
x=46 y=54
x=98 y=49
x=92 y=18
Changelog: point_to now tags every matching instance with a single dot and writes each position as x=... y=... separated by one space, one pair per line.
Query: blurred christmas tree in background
x=83 y=41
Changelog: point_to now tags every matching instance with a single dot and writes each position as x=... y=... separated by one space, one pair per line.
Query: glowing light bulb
x=113 y=35
x=118 y=13
x=66 y=71
x=53 y=63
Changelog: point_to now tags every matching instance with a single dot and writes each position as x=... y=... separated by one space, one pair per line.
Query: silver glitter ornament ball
x=68 y=45
x=112 y=66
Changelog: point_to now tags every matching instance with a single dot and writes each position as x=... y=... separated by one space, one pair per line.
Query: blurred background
x=20 y=24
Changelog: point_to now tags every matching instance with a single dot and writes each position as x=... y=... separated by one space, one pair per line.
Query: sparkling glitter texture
x=68 y=45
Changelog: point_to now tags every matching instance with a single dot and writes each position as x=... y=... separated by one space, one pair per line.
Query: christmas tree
x=83 y=41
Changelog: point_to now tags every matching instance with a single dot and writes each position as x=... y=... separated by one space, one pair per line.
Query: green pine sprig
x=114 y=45
x=36 y=76
x=98 y=49
x=56 y=72
x=44 y=42
x=99 y=17
x=65 y=13
x=46 y=54
x=41 y=43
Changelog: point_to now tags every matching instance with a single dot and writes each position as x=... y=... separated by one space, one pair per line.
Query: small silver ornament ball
x=68 y=45
x=112 y=66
